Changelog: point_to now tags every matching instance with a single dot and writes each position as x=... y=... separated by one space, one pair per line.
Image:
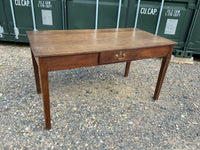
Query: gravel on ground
x=98 y=108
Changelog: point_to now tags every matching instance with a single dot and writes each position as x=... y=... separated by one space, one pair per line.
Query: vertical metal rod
x=16 y=31
x=127 y=14
x=159 y=18
x=97 y=10
x=33 y=16
x=119 y=12
x=137 y=13
x=62 y=13
x=12 y=11
x=67 y=16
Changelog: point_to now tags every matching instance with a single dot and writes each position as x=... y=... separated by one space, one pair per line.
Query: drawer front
x=129 y=55
x=70 y=62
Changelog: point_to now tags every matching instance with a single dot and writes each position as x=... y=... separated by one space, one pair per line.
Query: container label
x=171 y=26
x=148 y=11
x=25 y=3
x=44 y=4
x=47 y=17
x=173 y=13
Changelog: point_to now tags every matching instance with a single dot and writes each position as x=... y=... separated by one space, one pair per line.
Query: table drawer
x=129 y=55
x=70 y=62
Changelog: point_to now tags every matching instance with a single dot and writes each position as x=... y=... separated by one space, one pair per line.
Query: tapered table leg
x=163 y=70
x=36 y=72
x=127 y=68
x=45 y=91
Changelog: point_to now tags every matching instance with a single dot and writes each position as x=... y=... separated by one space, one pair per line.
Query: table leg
x=163 y=70
x=127 y=68
x=36 y=72
x=45 y=91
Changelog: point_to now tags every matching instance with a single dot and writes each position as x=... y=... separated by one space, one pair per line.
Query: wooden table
x=67 y=49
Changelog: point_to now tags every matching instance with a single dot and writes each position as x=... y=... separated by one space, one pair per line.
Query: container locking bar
x=119 y=12
x=16 y=30
x=159 y=18
x=33 y=16
x=137 y=14
x=1 y=32
x=97 y=10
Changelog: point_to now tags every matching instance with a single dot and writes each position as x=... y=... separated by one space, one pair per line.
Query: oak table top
x=67 y=49
x=70 y=42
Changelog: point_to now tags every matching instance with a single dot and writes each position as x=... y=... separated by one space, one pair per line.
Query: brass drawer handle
x=120 y=56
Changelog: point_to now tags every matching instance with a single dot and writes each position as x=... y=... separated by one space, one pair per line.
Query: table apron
x=129 y=55
x=94 y=59
x=70 y=62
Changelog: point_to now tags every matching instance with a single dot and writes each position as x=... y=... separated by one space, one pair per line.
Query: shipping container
x=172 y=19
x=26 y=15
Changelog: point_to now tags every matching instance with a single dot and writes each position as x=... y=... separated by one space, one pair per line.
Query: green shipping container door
x=175 y=19
x=81 y=14
x=4 y=30
x=22 y=16
x=193 y=46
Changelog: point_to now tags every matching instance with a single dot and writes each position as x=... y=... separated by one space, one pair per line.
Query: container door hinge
x=1 y=32
x=16 y=31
